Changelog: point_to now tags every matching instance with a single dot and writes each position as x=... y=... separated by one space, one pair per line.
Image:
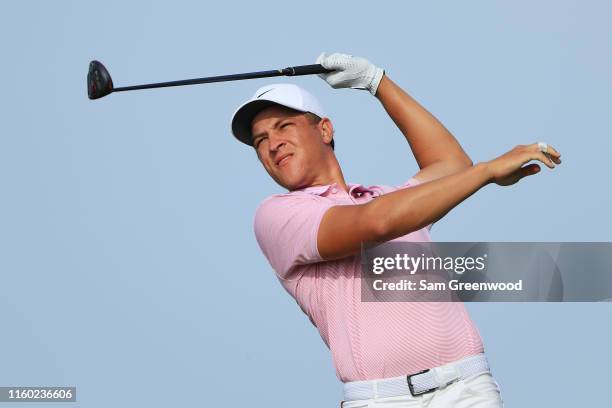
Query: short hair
x=314 y=119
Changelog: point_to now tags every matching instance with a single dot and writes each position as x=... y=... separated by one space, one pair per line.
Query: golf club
x=100 y=83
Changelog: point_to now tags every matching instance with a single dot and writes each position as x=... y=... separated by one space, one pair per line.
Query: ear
x=327 y=130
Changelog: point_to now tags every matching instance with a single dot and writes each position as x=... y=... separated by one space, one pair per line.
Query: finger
x=540 y=155
x=551 y=151
x=554 y=154
x=336 y=61
x=335 y=78
x=544 y=159
x=554 y=158
x=321 y=60
x=530 y=170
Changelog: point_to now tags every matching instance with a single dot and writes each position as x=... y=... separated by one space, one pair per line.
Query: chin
x=291 y=183
x=291 y=178
x=284 y=180
x=289 y=186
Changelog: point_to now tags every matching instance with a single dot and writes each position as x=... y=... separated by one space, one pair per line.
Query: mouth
x=283 y=159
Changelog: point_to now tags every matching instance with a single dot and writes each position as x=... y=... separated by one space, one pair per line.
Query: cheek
x=299 y=169
x=266 y=163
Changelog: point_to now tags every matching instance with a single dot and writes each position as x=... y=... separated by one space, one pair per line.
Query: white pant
x=479 y=391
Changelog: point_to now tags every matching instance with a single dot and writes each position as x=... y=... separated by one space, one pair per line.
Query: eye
x=284 y=125
x=258 y=141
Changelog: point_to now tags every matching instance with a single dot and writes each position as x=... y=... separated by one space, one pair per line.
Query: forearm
x=429 y=140
x=411 y=209
x=344 y=228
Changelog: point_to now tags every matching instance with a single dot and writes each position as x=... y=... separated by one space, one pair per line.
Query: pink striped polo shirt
x=367 y=340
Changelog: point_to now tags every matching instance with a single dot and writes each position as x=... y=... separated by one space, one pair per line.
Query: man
x=312 y=236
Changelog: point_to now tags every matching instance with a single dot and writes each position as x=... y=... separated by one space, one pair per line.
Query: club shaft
x=291 y=71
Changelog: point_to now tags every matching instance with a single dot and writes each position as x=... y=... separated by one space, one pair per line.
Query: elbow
x=462 y=163
x=465 y=161
x=460 y=160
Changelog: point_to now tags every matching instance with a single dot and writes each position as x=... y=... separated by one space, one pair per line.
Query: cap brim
x=241 y=122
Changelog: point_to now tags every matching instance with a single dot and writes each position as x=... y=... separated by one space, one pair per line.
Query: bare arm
x=451 y=175
x=435 y=149
x=344 y=228
x=392 y=215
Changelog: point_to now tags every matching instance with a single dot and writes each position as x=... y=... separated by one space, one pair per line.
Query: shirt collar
x=354 y=189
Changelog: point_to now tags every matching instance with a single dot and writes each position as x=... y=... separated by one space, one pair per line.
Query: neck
x=330 y=173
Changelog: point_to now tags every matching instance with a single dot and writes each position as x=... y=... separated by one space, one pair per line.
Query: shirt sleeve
x=286 y=228
x=410 y=183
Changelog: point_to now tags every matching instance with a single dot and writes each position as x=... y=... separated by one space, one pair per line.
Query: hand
x=350 y=72
x=507 y=169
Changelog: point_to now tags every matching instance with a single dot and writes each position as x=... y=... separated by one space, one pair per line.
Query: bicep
x=342 y=230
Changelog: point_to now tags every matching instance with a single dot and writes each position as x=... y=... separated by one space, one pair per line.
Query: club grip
x=306 y=70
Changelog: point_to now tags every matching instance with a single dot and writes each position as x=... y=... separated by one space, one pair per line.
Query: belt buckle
x=411 y=387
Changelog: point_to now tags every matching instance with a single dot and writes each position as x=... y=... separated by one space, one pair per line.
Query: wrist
x=484 y=169
x=376 y=80
x=381 y=85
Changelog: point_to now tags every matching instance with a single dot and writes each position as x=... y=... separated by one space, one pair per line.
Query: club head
x=99 y=82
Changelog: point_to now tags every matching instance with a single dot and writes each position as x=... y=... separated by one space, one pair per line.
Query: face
x=291 y=147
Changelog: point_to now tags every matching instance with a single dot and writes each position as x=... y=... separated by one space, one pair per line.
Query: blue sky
x=128 y=260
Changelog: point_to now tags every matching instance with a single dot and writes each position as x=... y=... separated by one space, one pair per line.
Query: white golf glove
x=350 y=72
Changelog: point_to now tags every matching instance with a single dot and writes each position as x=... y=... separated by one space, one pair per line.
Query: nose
x=275 y=141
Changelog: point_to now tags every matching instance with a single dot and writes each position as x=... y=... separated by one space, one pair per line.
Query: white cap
x=289 y=95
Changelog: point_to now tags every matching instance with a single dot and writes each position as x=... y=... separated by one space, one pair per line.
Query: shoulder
x=286 y=227
x=289 y=210
x=385 y=189
x=277 y=204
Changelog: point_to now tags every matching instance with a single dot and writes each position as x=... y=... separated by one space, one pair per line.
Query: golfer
x=402 y=354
